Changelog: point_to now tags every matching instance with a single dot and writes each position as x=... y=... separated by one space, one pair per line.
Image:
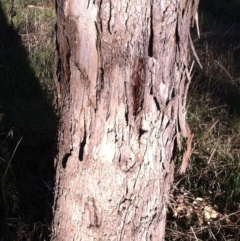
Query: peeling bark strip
x=123 y=78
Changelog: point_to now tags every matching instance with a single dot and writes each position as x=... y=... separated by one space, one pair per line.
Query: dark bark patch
x=141 y=132
x=126 y=116
x=82 y=145
x=65 y=159
x=70 y=45
x=156 y=103
x=100 y=84
x=150 y=44
x=177 y=37
x=126 y=108
x=63 y=53
x=138 y=85
x=151 y=90
x=110 y=17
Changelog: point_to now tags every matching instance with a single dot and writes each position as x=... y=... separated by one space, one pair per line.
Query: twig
x=194 y=233
x=197 y=23
x=10 y=161
x=226 y=71
x=3 y=180
x=39 y=7
x=220 y=106
x=194 y=52
x=211 y=156
x=187 y=153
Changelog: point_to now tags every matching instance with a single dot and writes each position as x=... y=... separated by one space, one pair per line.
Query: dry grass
x=205 y=201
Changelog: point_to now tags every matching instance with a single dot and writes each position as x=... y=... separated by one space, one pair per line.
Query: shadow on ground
x=27 y=144
x=219 y=53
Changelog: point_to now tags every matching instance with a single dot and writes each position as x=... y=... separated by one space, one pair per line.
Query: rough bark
x=122 y=79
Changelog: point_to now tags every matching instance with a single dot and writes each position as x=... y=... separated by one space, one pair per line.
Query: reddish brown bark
x=122 y=80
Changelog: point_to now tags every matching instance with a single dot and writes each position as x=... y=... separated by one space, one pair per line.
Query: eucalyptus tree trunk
x=122 y=79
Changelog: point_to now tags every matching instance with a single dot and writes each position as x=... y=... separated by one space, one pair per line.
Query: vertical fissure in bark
x=65 y=51
x=100 y=84
x=82 y=145
x=89 y=3
x=150 y=44
x=138 y=87
x=151 y=89
x=110 y=17
x=126 y=104
x=68 y=56
x=156 y=103
x=65 y=159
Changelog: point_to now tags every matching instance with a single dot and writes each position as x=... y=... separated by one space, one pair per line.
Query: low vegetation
x=204 y=203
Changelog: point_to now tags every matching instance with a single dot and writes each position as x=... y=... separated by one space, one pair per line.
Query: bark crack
x=82 y=145
x=126 y=105
x=150 y=44
x=65 y=159
x=138 y=78
x=141 y=132
x=156 y=103
x=88 y=4
x=127 y=202
x=110 y=18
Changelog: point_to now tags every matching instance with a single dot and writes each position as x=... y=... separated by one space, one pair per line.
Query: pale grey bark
x=122 y=81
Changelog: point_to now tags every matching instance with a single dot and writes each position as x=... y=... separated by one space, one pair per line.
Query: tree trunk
x=122 y=80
